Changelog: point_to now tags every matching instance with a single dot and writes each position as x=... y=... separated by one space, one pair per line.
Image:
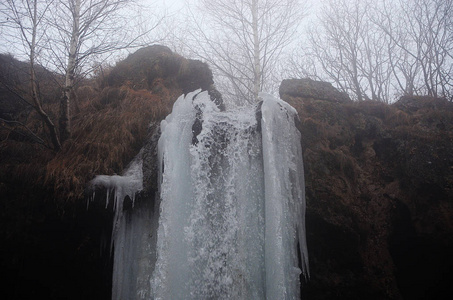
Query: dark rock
x=414 y=103
x=142 y=67
x=308 y=88
x=216 y=97
x=194 y=74
x=379 y=184
x=150 y=165
x=156 y=66
x=197 y=126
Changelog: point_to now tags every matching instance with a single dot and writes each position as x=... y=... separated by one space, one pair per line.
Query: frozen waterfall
x=233 y=203
x=230 y=220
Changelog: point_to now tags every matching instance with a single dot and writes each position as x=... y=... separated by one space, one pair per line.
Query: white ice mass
x=233 y=203
x=231 y=219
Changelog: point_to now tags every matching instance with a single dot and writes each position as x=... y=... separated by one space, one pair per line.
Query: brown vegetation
x=379 y=187
x=115 y=111
x=107 y=134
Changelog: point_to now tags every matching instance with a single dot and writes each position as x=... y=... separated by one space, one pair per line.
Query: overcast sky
x=174 y=9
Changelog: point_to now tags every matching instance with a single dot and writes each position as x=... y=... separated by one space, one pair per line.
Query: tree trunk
x=68 y=93
x=256 y=51
x=34 y=90
x=355 y=78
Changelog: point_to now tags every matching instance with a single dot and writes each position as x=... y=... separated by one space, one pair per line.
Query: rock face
x=156 y=67
x=308 y=88
x=379 y=186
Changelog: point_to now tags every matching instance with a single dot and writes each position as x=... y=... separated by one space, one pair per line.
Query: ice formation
x=122 y=186
x=232 y=207
x=233 y=203
x=131 y=239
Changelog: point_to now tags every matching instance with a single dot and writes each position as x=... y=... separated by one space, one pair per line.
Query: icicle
x=233 y=203
x=129 y=184
x=284 y=200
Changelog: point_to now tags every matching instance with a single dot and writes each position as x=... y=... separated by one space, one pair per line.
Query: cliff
x=379 y=184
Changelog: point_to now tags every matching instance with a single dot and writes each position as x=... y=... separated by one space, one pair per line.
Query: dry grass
x=109 y=126
x=107 y=134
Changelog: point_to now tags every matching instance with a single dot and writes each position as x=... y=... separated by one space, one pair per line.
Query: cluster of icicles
x=231 y=216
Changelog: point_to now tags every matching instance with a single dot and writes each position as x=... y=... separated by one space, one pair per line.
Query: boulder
x=308 y=88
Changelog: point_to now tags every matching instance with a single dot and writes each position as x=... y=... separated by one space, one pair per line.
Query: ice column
x=233 y=203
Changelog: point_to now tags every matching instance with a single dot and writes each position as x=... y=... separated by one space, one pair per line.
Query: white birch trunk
x=256 y=51
x=65 y=120
x=34 y=89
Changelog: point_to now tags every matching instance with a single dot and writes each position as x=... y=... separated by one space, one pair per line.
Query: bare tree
x=422 y=32
x=382 y=49
x=350 y=50
x=68 y=35
x=87 y=29
x=404 y=65
x=26 y=19
x=243 y=39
